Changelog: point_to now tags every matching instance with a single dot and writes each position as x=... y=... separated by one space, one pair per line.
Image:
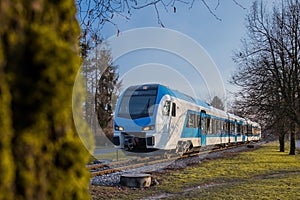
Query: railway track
x=103 y=169
x=113 y=167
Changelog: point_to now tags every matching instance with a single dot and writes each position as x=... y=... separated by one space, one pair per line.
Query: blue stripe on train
x=190 y=132
x=205 y=137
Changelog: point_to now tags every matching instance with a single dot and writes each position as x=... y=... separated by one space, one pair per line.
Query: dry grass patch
x=264 y=173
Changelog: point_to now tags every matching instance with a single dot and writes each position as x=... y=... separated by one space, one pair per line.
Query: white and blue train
x=154 y=117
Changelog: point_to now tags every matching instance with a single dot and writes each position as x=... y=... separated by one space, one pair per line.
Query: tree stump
x=136 y=180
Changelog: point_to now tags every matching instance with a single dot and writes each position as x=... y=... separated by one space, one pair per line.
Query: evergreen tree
x=41 y=155
x=105 y=88
x=217 y=103
x=102 y=89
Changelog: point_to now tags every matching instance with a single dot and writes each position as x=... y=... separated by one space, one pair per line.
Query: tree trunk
x=41 y=154
x=281 y=142
x=293 y=140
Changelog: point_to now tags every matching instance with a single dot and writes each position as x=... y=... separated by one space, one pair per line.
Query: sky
x=168 y=58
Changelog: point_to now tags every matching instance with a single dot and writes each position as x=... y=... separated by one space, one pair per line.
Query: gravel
x=114 y=178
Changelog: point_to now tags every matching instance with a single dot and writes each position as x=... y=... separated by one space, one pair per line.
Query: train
x=152 y=117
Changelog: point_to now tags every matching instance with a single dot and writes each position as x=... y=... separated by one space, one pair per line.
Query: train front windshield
x=138 y=103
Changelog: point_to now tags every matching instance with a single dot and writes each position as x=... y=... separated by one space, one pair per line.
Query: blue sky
x=219 y=38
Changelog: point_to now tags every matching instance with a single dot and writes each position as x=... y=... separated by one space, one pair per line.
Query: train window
x=208 y=125
x=203 y=125
x=193 y=121
x=225 y=129
x=166 y=108
x=214 y=126
x=136 y=103
x=232 y=127
x=249 y=131
x=173 y=109
x=197 y=125
x=255 y=131
x=239 y=129
x=220 y=126
x=244 y=129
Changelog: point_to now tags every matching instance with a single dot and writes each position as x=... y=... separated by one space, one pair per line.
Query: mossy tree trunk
x=6 y=160
x=39 y=58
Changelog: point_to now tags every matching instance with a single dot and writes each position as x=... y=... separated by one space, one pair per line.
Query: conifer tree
x=217 y=103
x=105 y=88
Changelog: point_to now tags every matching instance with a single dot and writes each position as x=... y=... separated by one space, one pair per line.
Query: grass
x=264 y=173
x=117 y=155
x=113 y=156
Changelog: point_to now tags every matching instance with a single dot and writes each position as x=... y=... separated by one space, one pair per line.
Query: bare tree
x=269 y=66
x=94 y=14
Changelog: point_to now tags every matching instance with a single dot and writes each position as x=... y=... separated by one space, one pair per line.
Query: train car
x=154 y=117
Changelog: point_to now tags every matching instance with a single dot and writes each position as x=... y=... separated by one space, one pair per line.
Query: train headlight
x=119 y=128
x=148 y=128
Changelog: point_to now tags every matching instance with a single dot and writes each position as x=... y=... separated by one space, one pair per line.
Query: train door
x=202 y=127
x=169 y=111
x=166 y=116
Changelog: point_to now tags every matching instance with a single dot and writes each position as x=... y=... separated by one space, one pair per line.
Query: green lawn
x=111 y=156
x=264 y=173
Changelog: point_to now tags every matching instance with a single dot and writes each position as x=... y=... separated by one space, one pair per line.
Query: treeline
x=269 y=69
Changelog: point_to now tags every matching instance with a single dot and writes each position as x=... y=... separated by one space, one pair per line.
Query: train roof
x=185 y=97
x=210 y=109
x=162 y=90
